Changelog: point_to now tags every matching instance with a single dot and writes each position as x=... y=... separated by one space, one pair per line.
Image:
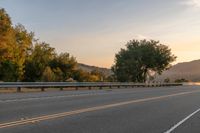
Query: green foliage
x=93 y=76
x=48 y=75
x=65 y=63
x=22 y=47
x=100 y=76
x=8 y=71
x=38 y=60
x=6 y=33
x=140 y=59
x=58 y=74
x=82 y=76
x=14 y=44
x=43 y=61
x=23 y=59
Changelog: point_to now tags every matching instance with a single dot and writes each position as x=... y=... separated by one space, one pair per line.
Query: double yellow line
x=64 y=114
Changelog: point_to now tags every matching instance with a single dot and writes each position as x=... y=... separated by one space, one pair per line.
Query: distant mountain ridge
x=88 y=68
x=187 y=70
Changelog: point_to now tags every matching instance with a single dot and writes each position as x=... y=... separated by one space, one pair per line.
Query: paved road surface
x=133 y=110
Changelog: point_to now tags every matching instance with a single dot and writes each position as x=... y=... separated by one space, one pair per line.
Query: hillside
x=186 y=70
x=87 y=68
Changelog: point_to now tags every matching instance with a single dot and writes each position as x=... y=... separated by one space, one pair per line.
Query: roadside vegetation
x=25 y=58
x=141 y=61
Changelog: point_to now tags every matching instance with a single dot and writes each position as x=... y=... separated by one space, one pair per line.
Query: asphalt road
x=132 y=110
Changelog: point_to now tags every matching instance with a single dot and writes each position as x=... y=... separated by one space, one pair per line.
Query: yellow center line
x=69 y=113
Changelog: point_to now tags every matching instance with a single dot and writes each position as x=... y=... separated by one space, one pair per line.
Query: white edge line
x=42 y=98
x=182 y=121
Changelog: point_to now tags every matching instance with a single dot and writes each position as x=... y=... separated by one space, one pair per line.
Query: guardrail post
x=76 y=88
x=100 y=88
x=61 y=88
x=110 y=87
x=18 y=89
x=89 y=88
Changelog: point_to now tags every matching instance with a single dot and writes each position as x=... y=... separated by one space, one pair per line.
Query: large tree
x=43 y=64
x=14 y=44
x=6 y=34
x=22 y=46
x=37 y=61
x=24 y=59
x=141 y=58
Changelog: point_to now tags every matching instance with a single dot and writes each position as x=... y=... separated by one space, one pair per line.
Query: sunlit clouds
x=193 y=3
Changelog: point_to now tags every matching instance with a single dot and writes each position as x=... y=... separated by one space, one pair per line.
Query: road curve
x=131 y=110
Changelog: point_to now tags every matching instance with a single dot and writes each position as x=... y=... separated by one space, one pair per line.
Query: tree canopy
x=14 y=44
x=24 y=58
x=141 y=58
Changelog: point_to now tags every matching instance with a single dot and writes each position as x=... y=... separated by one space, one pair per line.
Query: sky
x=94 y=30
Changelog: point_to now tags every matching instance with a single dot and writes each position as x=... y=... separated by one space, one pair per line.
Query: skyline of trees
x=25 y=58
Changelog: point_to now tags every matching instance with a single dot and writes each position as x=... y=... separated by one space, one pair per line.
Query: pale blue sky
x=94 y=30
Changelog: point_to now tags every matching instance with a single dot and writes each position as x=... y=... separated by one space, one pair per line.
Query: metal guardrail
x=61 y=85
